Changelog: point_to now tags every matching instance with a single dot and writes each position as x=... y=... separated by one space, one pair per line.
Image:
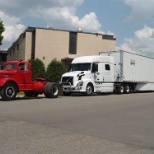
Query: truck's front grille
x=67 y=80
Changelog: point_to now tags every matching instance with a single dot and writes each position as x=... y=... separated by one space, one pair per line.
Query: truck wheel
x=120 y=89
x=89 y=90
x=9 y=92
x=45 y=89
x=127 y=89
x=52 y=90
x=66 y=93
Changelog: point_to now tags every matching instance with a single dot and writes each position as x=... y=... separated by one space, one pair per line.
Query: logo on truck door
x=80 y=75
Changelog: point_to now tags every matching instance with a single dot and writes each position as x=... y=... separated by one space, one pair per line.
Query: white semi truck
x=108 y=72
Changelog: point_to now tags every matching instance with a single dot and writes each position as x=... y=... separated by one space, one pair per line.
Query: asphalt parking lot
x=77 y=124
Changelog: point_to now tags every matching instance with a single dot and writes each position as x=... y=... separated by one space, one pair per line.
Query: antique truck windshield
x=10 y=66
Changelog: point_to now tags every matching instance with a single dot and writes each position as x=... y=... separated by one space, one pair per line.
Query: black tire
x=121 y=89
x=66 y=93
x=89 y=90
x=9 y=92
x=52 y=90
x=45 y=89
x=127 y=89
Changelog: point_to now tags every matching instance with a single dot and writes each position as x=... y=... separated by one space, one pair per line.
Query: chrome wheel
x=127 y=89
x=89 y=89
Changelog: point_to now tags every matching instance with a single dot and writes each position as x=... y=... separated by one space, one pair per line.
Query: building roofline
x=31 y=29
x=104 y=36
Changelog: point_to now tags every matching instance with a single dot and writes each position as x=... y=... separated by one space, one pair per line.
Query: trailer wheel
x=126 y=89
x=89 y=89
x=9 y=92
x=120 y=90
x=52 y=90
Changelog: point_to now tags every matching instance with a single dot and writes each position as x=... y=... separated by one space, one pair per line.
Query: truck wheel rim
x=10 y=91
x=121 y=89
x=89 y=90
x=55 y=90
x=127 y=89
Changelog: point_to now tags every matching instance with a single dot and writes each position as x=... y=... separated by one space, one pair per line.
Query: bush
x=55 y=70
x=38 y=68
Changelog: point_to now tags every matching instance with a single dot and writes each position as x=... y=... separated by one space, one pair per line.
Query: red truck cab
x=17 y=76
x=19 y=72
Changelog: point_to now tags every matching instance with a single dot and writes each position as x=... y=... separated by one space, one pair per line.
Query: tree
x=55 y=70
x=38 y=68
x=2 y=29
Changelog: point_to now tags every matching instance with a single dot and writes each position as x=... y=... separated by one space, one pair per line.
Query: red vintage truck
x=16 y=76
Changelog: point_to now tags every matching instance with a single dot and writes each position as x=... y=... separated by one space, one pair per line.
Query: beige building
x=48 y=43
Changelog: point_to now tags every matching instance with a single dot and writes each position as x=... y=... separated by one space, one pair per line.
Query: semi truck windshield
x=80 y=67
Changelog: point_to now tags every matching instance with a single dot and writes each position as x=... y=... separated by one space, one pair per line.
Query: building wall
x=92 y=44
x=108 y=45
x=51 y=44
x=28 y=45
x=48 y=44
x=17 y=51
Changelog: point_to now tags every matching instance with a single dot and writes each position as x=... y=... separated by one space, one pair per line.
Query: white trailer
x=115 y=71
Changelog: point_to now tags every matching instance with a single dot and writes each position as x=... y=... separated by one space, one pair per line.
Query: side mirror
x=94 y=68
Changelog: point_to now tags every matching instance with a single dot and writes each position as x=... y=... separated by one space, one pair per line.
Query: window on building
x=107 y=67
x=72 y=42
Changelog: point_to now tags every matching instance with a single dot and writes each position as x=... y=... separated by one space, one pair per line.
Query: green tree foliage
x=1 y=31
x=55 y=70
x=38 y=68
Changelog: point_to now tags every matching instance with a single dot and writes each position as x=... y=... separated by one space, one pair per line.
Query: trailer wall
x=131 y=67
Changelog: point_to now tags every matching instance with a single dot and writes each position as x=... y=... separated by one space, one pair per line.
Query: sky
x=130 y=21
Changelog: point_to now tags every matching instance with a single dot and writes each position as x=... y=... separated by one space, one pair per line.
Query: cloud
x=22 y=8
x=56 y=13
x=66 y=19
x=12 y=29
x=141 y=42
x=141 y=10
x=145 y=33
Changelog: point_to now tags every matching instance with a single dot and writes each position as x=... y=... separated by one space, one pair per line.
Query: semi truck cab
x=89 y=74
